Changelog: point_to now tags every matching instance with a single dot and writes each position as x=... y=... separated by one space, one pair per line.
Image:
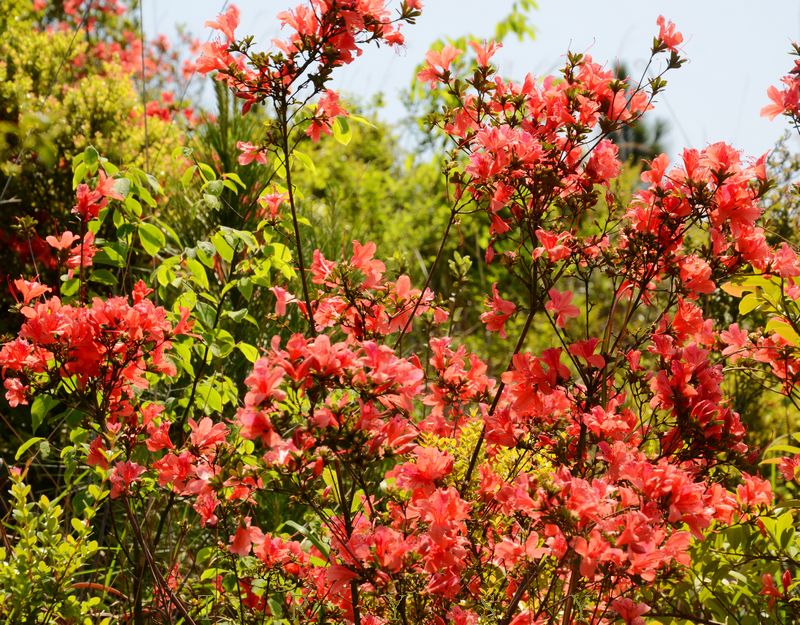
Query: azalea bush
x=248 y=426
x=70 y=78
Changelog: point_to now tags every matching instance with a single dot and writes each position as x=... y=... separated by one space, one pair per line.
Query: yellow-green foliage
x=39 y=568
x=506 y=462
x=52 y=106
x=362 y=192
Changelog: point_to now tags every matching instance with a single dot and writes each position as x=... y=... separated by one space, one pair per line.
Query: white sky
x=736 y=49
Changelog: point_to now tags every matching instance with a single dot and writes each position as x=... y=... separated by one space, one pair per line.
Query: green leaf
x=786 y=538
x=209 y=399
x=211 y=573
x=77 y=525
x=206 y=253
x=183 y=353
x=73 y=418
x=108 y=255
x=152 y=238
x=789 y=449
x=91 y=157
x=235 y=178
x=27 y=445
x=164 y=275
x=206 y=172
x=310 y=535
x=250 y=351
x=223 y=248
x=187 y=299
x=109 y=167
x=306 y=161
x=236 y=315
x=206 y=315
x=186 y=178
x=223 y=343
x=228 y=287
x=145 y=195
x=245 y=286
x=214 y=187
x=749 y=303
x=79 y=174
x=341 y=130
x=40 y=408
x=170 y=233
x=133 y=206
x=122 y=186
x=241 y=235
x=784 y=330
x=361 y=120
x=103 y=276
x=152 y=182
x=279 y=168
x=275 y=607
x=70 y=287
x=198 y=272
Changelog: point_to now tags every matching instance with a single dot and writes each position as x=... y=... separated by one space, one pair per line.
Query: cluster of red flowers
x=527 y=143
x=325 y=34
x=101 y=350
x=356 y=297
x=786 y=101
x=621 y=515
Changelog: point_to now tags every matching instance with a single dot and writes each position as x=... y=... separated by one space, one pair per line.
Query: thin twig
x=137 y=530
x=450 y=222
x=298 y=242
